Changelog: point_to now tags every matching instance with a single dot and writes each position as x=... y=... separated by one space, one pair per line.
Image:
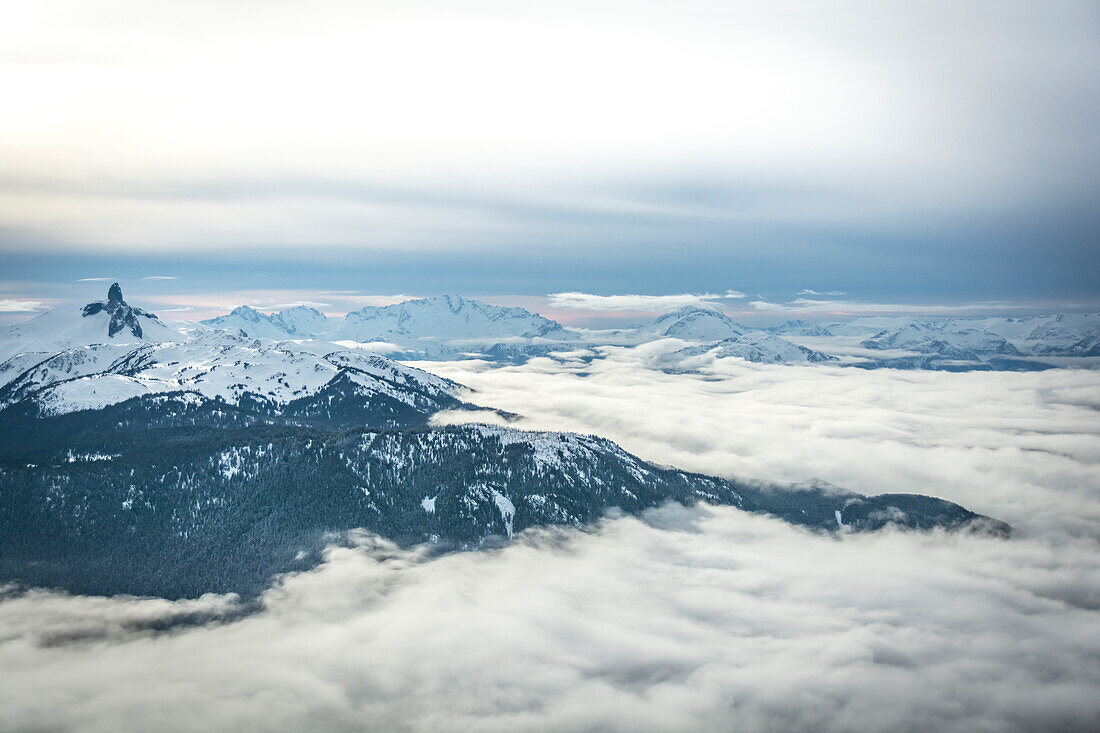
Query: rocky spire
x=123 y=317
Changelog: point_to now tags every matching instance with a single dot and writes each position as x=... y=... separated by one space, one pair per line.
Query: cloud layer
x=685 y=619
x=17 y=305
x=636 y=303
x=1023 y=447
x=691 y=619
x=941 y=149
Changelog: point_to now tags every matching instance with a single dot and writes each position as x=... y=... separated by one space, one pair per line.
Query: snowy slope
x=958 y=337
x=298 y=322
x=446 y=318
x=227 y=512
x=1088 y=346
x=302 y=321
x=250 y=322
x=761 y=347
x=81 y=365
x=930 y=338
x=694 y=324
x=112 y=321
x=1063 y=333
x=441 y=327
x=223 y=367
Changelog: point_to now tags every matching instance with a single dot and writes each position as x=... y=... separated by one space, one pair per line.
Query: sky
x=930 y=154
x=598 y=161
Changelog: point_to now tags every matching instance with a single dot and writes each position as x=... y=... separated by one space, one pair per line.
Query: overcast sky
x=894 y=151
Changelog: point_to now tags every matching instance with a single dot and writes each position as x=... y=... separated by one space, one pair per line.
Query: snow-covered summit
x=761 y=347
x=439 y=327
x=931 y=338
x=297 y=322
x=302 y=321
x=109 y=352
x=221 y=366
x=447 y=317
x=440 y=318
x=692 y=323
x=110 y=321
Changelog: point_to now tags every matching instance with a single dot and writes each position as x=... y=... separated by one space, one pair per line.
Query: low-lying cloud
x=684 y=619
x=635 y=303
x=18 y=305
x=688 y=619
x=1022 y=447
x=856 y=307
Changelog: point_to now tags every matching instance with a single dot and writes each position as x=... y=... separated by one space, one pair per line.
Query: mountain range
x=450 y=327
x=155 y=461
x=442 y=327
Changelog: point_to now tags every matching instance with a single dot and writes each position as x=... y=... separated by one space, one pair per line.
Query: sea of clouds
x=700 y=618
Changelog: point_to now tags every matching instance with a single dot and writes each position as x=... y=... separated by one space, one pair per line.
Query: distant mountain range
x=81 y=361
x=109 y=351
x=151 y=460
x=954 y=343
x=450 y=327
x=443 y=327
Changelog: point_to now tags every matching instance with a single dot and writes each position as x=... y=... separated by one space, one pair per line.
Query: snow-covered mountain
x=760 y=347
x=960 y=343
x=100 y=503
x=714 y=333
x=692 y=323
x=1088 y=346
x=299 y=322
x=112 y=321
x=220 y=367
x=113 y=356
x=1068 y=334
x=440 y=327
x=178 y=462
x=446 y=318
x=942 y=340
x=899 y=342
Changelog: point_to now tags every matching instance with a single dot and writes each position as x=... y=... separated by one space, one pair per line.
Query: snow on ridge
x=426 y=326
x=506 y=508
x=561 y=450
x=242 y=461
x=95 y=457
x=215 y=365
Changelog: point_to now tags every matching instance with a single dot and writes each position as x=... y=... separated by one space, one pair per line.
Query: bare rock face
x=123 y=316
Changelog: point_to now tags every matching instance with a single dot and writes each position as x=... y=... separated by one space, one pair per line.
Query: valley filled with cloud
x=682 y=619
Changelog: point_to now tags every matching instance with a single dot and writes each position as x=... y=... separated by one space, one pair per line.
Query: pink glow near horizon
x=174 y=307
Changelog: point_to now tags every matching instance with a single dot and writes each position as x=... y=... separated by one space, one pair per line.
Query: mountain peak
x=122 y=316
x=689 y=309
x=695 y=323
x=244 y=310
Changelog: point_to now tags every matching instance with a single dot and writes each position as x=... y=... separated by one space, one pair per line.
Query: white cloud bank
x=807 y=291
x=1023 y=447
x=689 y=619
x=18 y=305
x=857 y=307
x=693 y=619
x=645 y=303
